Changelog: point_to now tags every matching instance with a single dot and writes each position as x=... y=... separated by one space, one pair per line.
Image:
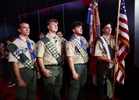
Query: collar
x=106 y=37
x=23 y=38
x=49 y=35
x=77 y=37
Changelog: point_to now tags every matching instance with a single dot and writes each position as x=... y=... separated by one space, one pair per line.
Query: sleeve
x=98 y=49
x=40 y=49
x=11 y=58
x=36 y=48
x=69 y=48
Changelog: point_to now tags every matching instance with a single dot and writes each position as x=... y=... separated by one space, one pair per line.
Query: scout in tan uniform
x=63 y=41
x=104 y=51
x=49 y=56
x=23 y=58
x=65 y=68
x=77 y=56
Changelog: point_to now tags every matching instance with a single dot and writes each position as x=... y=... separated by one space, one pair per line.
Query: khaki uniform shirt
x=43 y=51
x=99 y=51
x=21 y=43
x=36 y=45
x=63 y=39
x=71 y=51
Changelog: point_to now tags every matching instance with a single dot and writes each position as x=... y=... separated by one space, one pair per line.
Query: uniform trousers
x=28 y=92
x=104 y=73
x=53 y=84
x=76 y=89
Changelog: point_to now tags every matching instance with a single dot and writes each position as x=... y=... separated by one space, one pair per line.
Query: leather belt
x=80 y=64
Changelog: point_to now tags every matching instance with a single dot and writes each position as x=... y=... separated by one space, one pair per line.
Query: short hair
x=41 y=33
x=104 y=24
x=51 y=20
x=21 y=22
x=75 y=24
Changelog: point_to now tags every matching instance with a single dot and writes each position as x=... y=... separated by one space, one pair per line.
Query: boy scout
x=104 y=51
x=64 y=66
x=49 y=55
x=21 y=54
x=77 y=56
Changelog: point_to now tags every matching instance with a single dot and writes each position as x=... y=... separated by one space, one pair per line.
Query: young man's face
x=78 y=30
x=24 y=29
x=59 y=34
x=107 y=29
x=41 y=35
x=53 y=27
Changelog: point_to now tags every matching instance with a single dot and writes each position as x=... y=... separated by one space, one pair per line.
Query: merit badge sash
x=82 y=51
x=108 y=50
x=51 y=47
x=21 y=57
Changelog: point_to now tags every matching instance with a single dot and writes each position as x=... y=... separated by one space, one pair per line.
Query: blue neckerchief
x=33 y=56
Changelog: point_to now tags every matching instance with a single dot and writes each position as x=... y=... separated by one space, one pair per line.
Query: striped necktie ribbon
x=33 y=57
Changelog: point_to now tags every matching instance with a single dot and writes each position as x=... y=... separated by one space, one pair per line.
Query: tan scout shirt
x=43 y=51
x=99 y=51
x=37 y=45
x=21 y=44
x=71 y=51
x=63 y=39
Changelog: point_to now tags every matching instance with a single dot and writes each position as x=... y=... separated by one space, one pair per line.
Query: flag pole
x=116 y=43
x=93 y=5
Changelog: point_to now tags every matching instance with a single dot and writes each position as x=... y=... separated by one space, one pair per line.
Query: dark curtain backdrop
x=65 y=13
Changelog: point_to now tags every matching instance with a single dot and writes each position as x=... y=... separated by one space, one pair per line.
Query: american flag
x=123 y=42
